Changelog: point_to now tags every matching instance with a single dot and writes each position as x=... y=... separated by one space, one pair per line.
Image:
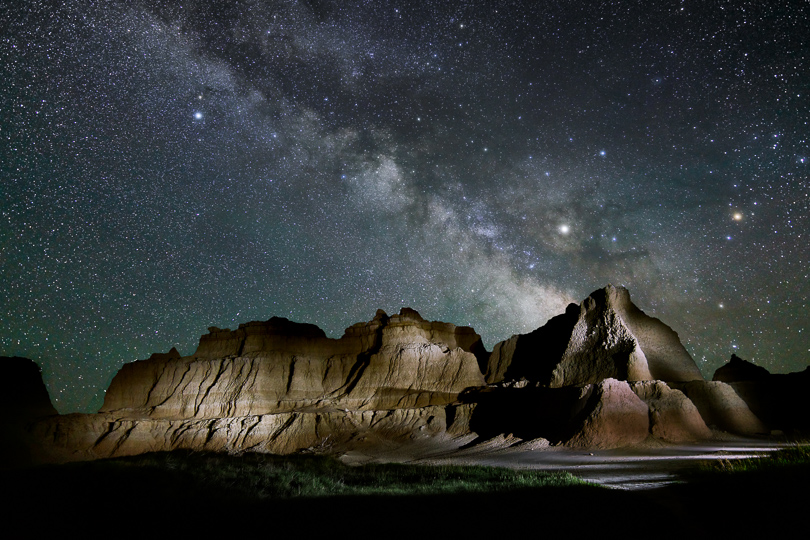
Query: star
x=341 y=172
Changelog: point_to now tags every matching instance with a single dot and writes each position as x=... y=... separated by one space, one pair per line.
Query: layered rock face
x=278 y=366
x=721 y=407
x=616 y=417
x=606 y=336
x=280 y=386
x=601 y=375
x=673 y=416
x=93 y=436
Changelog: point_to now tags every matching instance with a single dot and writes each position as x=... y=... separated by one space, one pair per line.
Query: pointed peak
x=610 y=295
x=738 y=369
x=173 y=354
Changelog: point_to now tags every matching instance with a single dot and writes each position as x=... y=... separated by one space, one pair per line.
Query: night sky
x=167 y=169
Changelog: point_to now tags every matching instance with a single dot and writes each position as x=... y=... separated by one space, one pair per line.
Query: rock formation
x=601 y=375
x=26 y=398
x=606 y=336
x=398 y=362
x=616 y=418
x=105 y=435
x=673 y=417
x=737 y=370
x=280 y=386
x=24 y=401
x=721 y=407
x=776 y=399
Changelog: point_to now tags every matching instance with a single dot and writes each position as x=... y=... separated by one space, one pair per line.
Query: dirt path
x=642 y=468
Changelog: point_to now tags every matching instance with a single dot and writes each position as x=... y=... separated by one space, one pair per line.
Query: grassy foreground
x=187 y=494
x=257 y=477
x=796 y=459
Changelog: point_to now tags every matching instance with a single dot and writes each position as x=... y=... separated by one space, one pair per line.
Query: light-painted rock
x=94 y=436
x=778 y=399
x=600 y=347
x=667 y=358
x=721 y=407
x=532 y=356
x=615 y=417
x=408 y=375
x=606 y=336
x=673 y=417
x=282 y=387
x=279 y=366
x=500 y=359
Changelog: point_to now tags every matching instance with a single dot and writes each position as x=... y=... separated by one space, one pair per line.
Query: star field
x=169 y=166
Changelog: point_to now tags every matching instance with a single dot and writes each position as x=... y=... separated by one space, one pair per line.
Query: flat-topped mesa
x=280 y=334
x=277 y=366
x=275 y=334
x=409 y=326
x=606 y=336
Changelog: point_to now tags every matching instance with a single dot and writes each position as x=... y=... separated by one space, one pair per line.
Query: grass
x=795 y=459
x=203 y=493
x=262 y=477
x=191 y=493
x=747 y=498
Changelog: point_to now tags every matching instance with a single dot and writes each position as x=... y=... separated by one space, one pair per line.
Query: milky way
x=166 y=169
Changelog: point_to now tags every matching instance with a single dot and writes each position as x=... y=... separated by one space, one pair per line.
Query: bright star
x=564 y=229
x=198 y=115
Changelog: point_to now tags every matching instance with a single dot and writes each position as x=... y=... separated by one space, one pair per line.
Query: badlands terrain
x=602 y=390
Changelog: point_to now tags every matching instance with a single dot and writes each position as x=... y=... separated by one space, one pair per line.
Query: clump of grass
x=795 y=457
x=263 y=477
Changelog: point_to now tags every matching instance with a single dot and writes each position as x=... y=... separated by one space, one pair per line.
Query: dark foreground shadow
x=62 y=500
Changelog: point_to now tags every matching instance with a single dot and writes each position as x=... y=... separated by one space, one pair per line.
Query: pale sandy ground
x=647 y=499
x=646 y=467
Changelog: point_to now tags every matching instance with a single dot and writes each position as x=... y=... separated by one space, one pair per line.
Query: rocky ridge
x=777 y=399
x=397 y=362
x=24 y=402
x=601 y=375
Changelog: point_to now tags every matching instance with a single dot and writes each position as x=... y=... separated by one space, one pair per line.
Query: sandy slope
x=644 y=467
